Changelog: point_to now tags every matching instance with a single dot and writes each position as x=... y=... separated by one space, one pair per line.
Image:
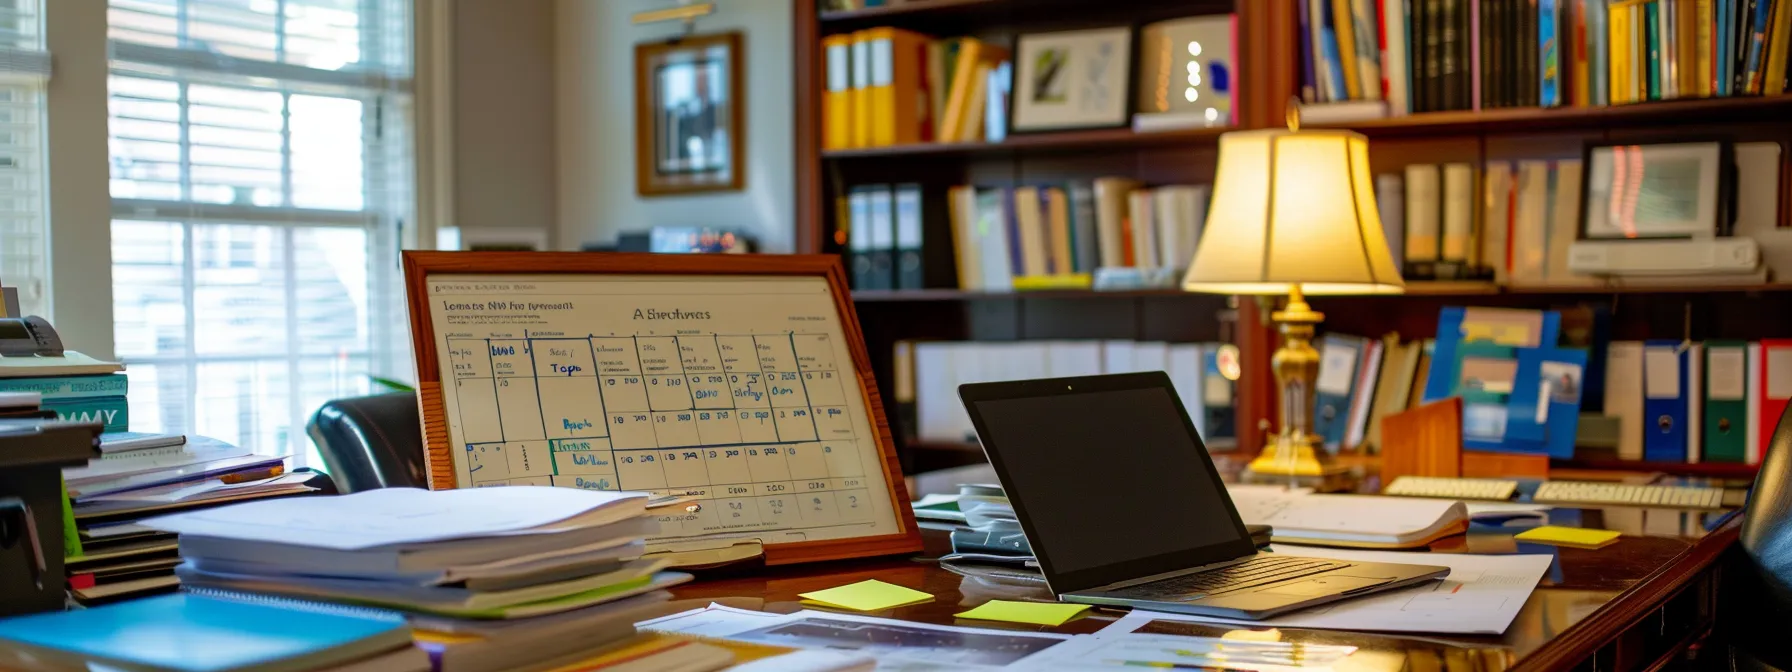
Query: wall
x=503 y=117
x=596 y=128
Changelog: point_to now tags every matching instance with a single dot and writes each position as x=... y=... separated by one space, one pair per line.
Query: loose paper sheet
x=1481 y=596
x=897 y=645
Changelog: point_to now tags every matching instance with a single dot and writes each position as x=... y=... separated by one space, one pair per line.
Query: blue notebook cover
x=190 y=633
x=1333 y=59
x=1544 y=411
x=1549 y=55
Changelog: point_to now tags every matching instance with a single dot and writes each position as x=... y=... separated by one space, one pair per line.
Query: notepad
x=869 y=595
x=1036 y=613
x=1571 y=537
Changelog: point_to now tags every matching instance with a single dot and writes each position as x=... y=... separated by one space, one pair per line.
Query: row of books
x=79 y=398
x=1508 y=222
x=888 y=86
x=1393 y=57
x=928 y=374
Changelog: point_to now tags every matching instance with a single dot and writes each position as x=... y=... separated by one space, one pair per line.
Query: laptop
x=1122 y=504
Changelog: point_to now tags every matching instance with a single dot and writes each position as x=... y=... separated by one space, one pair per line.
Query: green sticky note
x=1036 y=613
x=869 y=595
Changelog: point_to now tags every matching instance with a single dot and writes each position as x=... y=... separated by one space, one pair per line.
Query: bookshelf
x=1268 y=35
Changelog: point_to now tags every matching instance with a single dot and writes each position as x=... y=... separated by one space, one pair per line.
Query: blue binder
x=1548 y=385
x=1664 y=401
x=1331 y=408
x=1446 y=358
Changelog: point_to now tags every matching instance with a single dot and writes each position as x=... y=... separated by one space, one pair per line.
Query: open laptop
x=1122 y=505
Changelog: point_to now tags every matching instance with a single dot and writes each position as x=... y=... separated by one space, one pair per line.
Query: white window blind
x=261 y=181
x=24 y=72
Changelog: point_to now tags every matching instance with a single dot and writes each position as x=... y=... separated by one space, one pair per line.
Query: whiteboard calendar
x=737 y=391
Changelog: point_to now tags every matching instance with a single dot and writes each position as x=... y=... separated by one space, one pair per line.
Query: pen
x=245 y=477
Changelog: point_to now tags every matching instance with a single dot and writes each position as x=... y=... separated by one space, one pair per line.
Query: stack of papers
x=488 y=575
x=140 y=475
x=1300 y=517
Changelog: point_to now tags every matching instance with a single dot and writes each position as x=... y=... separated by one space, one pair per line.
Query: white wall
x=503 y=117
x=596 y=128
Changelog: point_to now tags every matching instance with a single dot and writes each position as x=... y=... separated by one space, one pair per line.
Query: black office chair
x=1755 y=614
x=371 y=442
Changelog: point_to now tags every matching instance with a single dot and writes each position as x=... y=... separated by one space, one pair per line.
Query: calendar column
x=826 y=391
x=573 y=414
x=730 y=480
x=674 y=426
x=770 y=495
x=629 y=418
x=796 y=429
x=476 y=399
x=525 y=446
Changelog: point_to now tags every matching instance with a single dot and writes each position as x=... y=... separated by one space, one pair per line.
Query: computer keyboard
x=1451 y=488
x=1625 y=494
x=1254 y=572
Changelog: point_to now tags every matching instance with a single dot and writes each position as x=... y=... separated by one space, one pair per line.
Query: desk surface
x=1587 y=601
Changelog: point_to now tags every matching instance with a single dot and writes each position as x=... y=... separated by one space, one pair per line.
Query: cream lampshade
x=1293 y=213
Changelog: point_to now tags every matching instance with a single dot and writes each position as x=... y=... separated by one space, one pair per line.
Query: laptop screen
x=1110 y=484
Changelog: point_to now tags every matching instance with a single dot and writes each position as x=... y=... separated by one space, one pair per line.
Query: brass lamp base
x=1290 y=451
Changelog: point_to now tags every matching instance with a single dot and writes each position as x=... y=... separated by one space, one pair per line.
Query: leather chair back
x=1758 y=593
x=371 y=442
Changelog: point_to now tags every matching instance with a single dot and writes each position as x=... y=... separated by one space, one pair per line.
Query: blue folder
x=1664 y=405
x=1549 y=383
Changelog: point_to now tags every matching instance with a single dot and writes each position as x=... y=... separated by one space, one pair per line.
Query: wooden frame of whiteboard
x=418 y=266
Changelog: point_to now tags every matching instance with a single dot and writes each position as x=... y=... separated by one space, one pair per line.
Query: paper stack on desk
x=141 y=475
x=488 y=574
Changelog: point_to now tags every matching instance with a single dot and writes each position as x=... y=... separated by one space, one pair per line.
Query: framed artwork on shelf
x=690 y=120
x=1072 y=79
x=1673 y=190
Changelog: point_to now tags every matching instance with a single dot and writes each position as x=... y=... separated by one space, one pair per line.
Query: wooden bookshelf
x=1268 y=68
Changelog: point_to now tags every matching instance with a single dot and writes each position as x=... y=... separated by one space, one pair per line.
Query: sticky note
x=1571 y=537
x=867 y=596
x=1036 y=613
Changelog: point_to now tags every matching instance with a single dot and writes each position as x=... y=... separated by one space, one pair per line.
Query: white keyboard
x=1624 y=494
x=1451 y=488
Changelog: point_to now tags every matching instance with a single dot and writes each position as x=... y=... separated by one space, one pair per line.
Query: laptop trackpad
x=1330 y=584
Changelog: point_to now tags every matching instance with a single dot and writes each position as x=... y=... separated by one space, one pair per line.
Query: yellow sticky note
x=1036 y=613
x=1572 y=537
x=868 y=596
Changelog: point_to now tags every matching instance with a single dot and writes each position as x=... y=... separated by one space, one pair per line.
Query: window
x=261 y=183
x=24 y=71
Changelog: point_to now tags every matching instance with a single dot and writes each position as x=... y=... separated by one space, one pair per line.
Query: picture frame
x=1072 y=80
x=690 y=119
x=1679 y=190
x=569 y=336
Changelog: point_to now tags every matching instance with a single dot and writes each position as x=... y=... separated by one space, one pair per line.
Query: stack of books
x=1374 y=58
x=140 y=475
x=888 y=86
x=74 y=386
x=490 y=578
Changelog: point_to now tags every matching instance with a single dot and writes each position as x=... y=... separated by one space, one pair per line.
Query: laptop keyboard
x=1254 y=572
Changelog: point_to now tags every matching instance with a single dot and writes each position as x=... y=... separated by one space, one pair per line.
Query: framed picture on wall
x=689 y=115
x=1072 y=79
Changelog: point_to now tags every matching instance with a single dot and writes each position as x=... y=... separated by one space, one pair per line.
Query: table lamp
x=1293 y=213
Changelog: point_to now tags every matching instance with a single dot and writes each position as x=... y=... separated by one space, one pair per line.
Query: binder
x=1753 y=446
x=1695 y=402
x=895 y=83
x=1458 y=220
x=883 y=237
x=1339 y=357
x=1725 y=385
x=860 y=59
x=910 y=263
x=1543 y=413
x=1775 y=388
x=836 y=107
x=1031 y=222
x=1424 y=209
x=1664 y=401
x=858 y=232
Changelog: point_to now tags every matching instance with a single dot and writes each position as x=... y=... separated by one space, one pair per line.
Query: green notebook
x=1725 y=389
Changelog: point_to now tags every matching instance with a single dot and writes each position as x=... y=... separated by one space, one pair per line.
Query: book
x=1111 y=205
x=1031 y=225
x=1141 y=229
x=1336 y=77
x=1343 y=22
x=1309 y=50
x=112 y=411
x=69 y=387
x=1424 y=214
x=1390 y=203
x=1395 y=57
x=1496 y=219
x=189 y=632
x=1454 y=258
x=1367 y=53
x=1776 y=53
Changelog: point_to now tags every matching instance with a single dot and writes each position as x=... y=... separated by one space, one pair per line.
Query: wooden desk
x=1637 y=604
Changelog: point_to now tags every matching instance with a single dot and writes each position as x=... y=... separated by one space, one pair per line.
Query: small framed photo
x=1073 y=79
x=1673 y=190
x=689 y=115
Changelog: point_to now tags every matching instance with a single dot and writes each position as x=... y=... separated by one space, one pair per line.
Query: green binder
x=1726 y=400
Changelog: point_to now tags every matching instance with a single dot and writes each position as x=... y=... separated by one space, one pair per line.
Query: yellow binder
x=895 y=85
x=836 y=94
x=861 y=89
